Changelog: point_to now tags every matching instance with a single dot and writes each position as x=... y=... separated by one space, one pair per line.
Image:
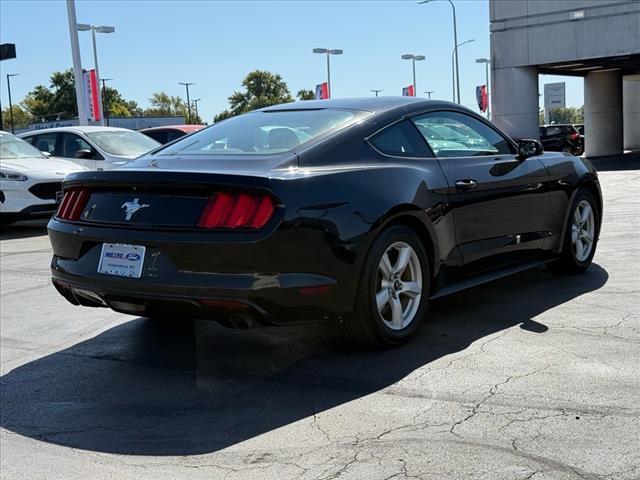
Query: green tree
x=304 y=94
x=262 y=89
x=567 y=115
x=21 y=118
x=133 y=108
x=38 y=102
x=59 y=99
x=163 y=104
x=113 y=104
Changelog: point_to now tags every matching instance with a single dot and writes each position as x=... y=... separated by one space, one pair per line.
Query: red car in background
x=169 y=133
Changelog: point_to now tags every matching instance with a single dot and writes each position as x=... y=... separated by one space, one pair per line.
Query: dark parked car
x=561 y=138
x=170 y=133
x=352 y=211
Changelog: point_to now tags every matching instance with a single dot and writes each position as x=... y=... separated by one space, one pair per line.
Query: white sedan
x=97 y=148
x=30 y=181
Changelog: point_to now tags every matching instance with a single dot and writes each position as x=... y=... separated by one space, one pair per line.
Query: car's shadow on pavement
x=147 y=388
x=27 y=229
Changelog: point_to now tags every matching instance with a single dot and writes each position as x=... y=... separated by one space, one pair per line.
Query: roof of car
x=370 y=104
x=78 y=129
x=182 y=128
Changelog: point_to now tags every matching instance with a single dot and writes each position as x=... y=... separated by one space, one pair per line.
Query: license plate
x=121 y=260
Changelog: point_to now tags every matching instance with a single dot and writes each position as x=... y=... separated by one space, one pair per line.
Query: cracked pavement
x=530 y=377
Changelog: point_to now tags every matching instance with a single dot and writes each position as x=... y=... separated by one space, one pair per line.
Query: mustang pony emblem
x=132 y=207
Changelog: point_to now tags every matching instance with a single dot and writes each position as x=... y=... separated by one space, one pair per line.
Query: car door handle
x=466 y=184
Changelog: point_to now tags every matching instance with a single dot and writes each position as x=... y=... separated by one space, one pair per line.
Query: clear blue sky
x=215 y=44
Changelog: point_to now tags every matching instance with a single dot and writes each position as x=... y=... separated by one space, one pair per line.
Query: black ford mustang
x=356 y=210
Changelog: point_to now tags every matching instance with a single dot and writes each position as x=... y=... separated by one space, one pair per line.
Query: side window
x=453 y=134
x=71 y=143
x=45 y=142
x=400 y=140
x=551 y=131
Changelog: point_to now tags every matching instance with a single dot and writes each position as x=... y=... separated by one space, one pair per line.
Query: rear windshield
x=123 y=142
x=264 y=132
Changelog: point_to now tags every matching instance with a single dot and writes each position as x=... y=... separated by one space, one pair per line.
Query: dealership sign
x=92 y=106
x=554 y=95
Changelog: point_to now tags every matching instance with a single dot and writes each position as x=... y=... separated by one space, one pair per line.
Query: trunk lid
x=235 y=164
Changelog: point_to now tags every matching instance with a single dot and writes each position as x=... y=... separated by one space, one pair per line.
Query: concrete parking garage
x=598 y=40
x=533 y=376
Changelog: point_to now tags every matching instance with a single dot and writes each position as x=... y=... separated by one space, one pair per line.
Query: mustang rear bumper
x=203 y=279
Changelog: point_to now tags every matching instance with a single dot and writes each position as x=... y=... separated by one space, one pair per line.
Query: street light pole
x=95 y=65
x=328 y=52
x=186 y=84
x=77 y=63
x=195 y=103
x=413 y=58
x=100 y=29
x=104 y=88
x=376 y=91
x=429 y=92
x=455 y=50
x=486 y=62
x=9 y=75
x=454 y=73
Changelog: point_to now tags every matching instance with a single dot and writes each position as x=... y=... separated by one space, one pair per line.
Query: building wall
x=534 y=32
x=133 y=123
x=559 y=36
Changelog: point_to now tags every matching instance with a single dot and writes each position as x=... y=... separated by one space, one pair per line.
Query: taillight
x=73 y=204
x=242 y=210
x=574 y=136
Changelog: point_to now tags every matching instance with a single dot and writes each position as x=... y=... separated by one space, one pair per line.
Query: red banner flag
x=91 y=94
x=482 y=97
x=322 y=91
x=408 y=91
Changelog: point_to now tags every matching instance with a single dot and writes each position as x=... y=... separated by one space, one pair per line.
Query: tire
x=573 y=259
x=388 y=326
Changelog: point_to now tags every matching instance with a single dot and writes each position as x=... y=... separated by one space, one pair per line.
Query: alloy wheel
x=583 y=231
x=398 y=285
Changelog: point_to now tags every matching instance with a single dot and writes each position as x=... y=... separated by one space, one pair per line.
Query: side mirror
x=529 y=148
x=85 y=154
x=47 y=154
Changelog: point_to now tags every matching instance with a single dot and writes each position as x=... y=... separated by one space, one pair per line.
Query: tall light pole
x=104 y=87
x=414 y=59
x=429 y=92
x=195 y=104
x=77 y=63
x=376 y=91
x=328 y=52
x=186 y=84
x=486 y=74
x=100 y=29
x=455 y=50
x=455 y=73
x=9 y=75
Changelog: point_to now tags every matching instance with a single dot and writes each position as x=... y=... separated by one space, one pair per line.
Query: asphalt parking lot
x=533 y=376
